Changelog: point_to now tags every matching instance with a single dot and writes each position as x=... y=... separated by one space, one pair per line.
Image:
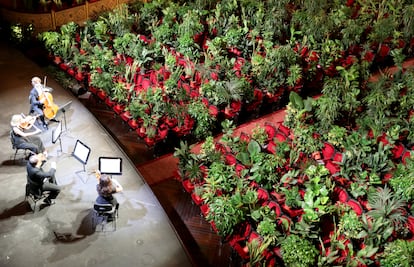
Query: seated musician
x=106 y=187
x=24 y=136
x=36 y=104
x=45 y=180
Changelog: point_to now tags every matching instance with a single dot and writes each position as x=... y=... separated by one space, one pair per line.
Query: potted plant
x=297 y=250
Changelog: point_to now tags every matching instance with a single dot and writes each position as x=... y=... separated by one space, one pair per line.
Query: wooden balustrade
x=54 y=19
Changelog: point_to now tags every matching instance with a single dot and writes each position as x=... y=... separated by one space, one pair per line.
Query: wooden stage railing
x=54 y=19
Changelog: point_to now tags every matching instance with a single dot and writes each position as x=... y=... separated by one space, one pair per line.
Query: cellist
x=36 y=104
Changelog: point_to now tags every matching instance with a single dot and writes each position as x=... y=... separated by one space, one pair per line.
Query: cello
x=49 y=108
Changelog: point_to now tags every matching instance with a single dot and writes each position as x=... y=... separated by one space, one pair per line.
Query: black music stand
x=81 y=152
x=62 y=110
x=110 y=165
x=56 y=133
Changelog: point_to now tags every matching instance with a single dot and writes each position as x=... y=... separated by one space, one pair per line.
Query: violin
x=28 y=121
x=50 y=109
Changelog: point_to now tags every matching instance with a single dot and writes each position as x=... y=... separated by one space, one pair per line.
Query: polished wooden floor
x=203 y=246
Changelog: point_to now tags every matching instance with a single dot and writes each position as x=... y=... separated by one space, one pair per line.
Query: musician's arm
x=118 y=186
x=34 y=100
x=24 y=134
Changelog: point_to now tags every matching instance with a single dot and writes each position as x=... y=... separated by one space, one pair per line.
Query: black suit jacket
x=37 y=175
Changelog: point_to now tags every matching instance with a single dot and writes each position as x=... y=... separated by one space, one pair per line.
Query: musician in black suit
x=36 y=104
x=43 y=179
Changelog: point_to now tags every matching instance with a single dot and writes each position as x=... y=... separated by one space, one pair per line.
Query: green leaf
x=243 y=157
x=254 y=147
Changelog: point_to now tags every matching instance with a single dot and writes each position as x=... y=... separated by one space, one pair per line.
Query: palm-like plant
x=386 y=205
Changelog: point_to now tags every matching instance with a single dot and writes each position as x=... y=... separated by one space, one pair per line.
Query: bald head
x=34 y=159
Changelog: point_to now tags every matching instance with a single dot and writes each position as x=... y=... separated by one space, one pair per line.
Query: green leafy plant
x=298 y=251
x=402 y=181
x=386 y=205
x=398 y=253
x=351 y=225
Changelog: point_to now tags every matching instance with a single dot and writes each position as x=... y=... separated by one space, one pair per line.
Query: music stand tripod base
x=62 y=110
x=79 y=174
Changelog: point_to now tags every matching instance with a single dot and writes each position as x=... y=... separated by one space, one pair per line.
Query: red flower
x=244 y=137
x=236 y=106
x=214 y=76
x=313 y=56
x=337 y=157
x=220 y=148
x=162 y=133
x=238 y=64
x=328 y=151
x=349 y=2
x=406 y=154
x=188 y=185
x=239 y=168
x=280 y=137
x=230 y=159
x=398 y=150
x=213 y=110
x=383 y=139
x=285 y=130
x=410 y=223
x=384 y=50
x=355 y=206
x=71 y=71
x=341 y=194
x=270 y=130
x=149 y=141
x=332 y=167
x=369 y=56
x=144 y=38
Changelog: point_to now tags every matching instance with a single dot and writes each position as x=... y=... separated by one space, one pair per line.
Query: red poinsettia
x=244 y=137
x=341 y=194
x=328 y=151
x=332 y=167
x=410 y=224
x=369 y=56
x=280 y=137
x=285 y=130
x=239 y=168
x=383 y=139
x=213 y=110
x=384 y=50
x=270 y=131
x=398 y=150
x=355 y=205
x=271 y=147
x=230 y=159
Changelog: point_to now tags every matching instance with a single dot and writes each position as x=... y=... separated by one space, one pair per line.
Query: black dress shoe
x=49 y=201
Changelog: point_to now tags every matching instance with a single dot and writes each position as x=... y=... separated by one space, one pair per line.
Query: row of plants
x=305 y=194
x=184 y=67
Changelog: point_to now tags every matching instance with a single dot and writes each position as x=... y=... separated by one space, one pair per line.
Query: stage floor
x=62 y=234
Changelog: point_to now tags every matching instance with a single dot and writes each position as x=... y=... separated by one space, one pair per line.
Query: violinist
x=36 y=104
x=24 y=134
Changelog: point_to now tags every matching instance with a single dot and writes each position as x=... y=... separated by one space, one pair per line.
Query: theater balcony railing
x=49 y=16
